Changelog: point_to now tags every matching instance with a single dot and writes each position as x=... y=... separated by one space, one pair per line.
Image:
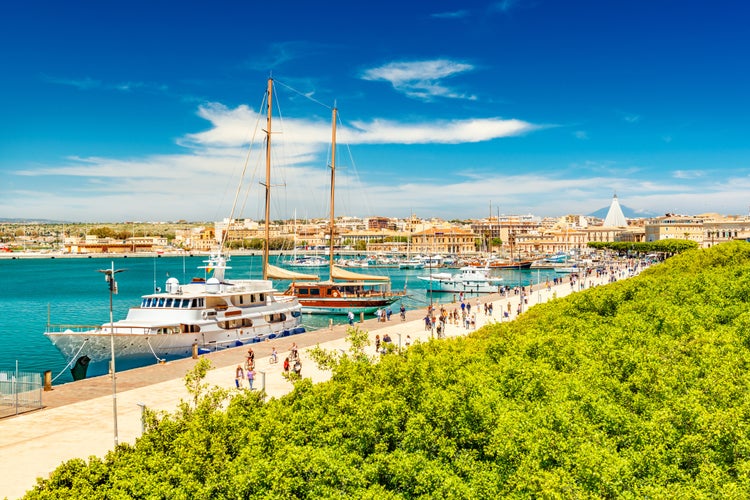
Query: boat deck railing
x=75 y=328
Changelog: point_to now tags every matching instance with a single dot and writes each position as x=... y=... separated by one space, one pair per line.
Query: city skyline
x=143 y=111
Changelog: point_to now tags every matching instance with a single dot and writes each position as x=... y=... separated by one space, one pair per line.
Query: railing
x=73 y=328
x=103 y=329
x=19 y=392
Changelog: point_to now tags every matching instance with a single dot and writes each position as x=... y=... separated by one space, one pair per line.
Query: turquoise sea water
x=71 y=291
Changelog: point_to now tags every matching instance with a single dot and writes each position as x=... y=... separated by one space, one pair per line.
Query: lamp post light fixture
x=109 y=277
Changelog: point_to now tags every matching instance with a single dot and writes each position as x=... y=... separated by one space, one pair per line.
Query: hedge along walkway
x=77 y=420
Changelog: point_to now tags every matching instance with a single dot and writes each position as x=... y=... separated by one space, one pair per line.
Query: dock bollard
x=48 y=380
x=195 y=351
x=330 y=324
x=362 y=317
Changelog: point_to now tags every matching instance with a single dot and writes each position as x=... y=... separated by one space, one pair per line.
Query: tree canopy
x=635 y=389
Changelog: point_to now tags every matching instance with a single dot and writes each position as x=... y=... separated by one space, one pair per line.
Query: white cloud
x=421 y=79
x=436 y=132
x=581 y=134
x=688 y=174
x=201 y=183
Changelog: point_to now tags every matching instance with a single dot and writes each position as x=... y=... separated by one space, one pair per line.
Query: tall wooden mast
x=333 y=184
x=267 y=237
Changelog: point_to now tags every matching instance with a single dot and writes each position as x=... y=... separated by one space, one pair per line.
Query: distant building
x=671 y=226
x=376 y=223
x=448 y=240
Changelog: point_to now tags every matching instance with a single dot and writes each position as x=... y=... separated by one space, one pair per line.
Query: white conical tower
x=615 y=217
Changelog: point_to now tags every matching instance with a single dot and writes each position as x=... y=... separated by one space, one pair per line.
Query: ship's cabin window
x=185 y=303
x=168 y=303
x=161 y=302
x=276 y=318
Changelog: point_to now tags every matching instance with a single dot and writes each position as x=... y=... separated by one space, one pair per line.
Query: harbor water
x=41 y=290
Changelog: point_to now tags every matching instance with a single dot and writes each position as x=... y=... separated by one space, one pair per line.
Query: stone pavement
x=77 y=418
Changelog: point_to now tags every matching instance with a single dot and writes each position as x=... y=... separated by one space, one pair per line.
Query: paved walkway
x=77 y=420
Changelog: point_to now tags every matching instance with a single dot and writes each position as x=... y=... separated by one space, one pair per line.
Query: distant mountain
x=5 y=220
x=628 y=212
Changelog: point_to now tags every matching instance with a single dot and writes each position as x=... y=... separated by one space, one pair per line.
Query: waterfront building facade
x=673 y=226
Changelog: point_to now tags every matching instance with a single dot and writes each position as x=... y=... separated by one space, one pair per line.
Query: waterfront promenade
x=77 y=418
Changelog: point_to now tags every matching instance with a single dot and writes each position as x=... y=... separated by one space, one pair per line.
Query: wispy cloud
x=437 y=132
x=581 y=134
x=688 y=174
x=85 y=83
x=629 y=117
x=421 y=79
x=142 y=187
x=229 y=129
x=88 y=83
x=505 y=5
x=280 y=53
x=456 y=14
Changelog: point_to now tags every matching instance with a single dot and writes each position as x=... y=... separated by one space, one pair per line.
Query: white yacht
x=211 y=314
x=470 y=279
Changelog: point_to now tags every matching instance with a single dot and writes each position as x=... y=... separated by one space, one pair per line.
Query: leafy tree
x=102 y=232
x=636 y=389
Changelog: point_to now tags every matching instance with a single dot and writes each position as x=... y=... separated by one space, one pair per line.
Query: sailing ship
x=344 y=291
x=206 y=314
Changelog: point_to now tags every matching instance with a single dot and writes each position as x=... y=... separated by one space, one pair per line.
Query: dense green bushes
x=637 y=389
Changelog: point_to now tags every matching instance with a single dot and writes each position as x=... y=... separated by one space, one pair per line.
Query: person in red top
x=286 y=364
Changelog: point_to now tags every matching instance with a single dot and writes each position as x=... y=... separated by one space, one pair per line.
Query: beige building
x=679 y=227
x=449 y=240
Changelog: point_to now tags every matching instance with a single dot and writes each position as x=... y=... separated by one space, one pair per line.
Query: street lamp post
x=109 y=276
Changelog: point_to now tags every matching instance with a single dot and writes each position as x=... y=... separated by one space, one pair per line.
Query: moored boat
x=211 y=314
x=344 y=291
x=411 y=263
x=206 y=314
x=469 y=279
x=308 y=261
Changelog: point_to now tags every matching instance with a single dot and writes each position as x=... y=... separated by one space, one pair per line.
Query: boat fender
x=204 y=314
x=335 y=293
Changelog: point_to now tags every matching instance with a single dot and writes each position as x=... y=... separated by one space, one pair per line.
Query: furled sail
x=280 y=273
x=343 y=274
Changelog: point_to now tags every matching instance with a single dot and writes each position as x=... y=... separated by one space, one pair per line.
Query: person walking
x=351 y=318
x=250 y=360
x=250 y=378
x=239 y=374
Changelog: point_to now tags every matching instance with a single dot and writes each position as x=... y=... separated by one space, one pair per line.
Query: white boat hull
x=96 y=344
x=209 y=315
x=469 y=280
x=455 y=286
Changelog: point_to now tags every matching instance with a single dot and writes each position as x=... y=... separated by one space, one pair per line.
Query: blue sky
x=142 y=110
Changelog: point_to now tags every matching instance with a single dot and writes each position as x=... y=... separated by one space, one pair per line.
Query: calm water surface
x=71 y=291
